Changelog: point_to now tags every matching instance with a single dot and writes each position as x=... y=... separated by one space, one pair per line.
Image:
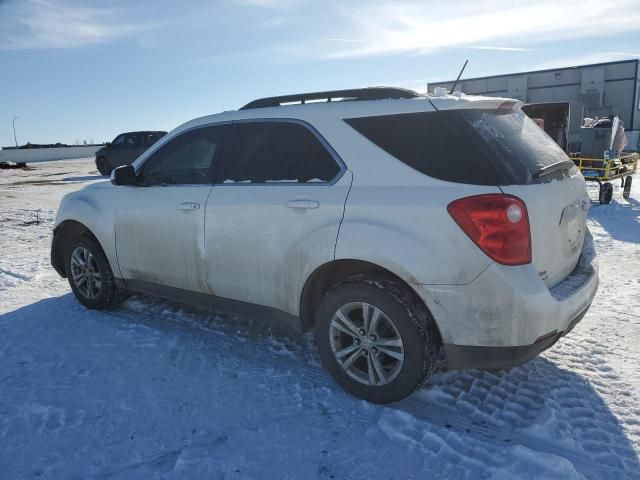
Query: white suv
x=394 y=224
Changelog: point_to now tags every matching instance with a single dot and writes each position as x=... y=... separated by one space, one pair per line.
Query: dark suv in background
x=124 y=149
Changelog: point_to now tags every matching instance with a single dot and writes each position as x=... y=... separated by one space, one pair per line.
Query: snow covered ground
x=157 y=390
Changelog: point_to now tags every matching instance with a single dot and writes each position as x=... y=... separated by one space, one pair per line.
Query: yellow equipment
x=604 y=171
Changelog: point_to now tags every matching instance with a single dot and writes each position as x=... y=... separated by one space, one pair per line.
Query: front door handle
x=303 y=204
x=188 y=206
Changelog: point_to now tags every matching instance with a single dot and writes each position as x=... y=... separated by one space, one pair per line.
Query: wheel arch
x=61 y=236
x=329 y=274
x=106 y=159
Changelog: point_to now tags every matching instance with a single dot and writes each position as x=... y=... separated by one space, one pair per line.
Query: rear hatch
x=534 y=168
x=490 y=141
x=557 y=216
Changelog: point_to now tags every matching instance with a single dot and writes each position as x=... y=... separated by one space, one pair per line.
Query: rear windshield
x=481 y=147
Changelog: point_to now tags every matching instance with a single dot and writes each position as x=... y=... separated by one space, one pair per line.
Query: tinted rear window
x=481 y=147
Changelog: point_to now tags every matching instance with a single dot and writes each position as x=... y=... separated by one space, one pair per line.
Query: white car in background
x=396 y=225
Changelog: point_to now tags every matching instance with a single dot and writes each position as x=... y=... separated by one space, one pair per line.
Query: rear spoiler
x=457 y=101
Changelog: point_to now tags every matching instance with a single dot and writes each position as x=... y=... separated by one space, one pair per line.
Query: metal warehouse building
x=602 y=89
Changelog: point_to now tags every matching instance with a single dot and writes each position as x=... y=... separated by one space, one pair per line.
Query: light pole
x=14 y=130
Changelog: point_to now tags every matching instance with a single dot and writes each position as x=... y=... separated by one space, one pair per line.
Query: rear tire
x=103 y=166
x=381 y=363
x=609 y=193
x=606 y=193
x=626 y=191
x=89 y=274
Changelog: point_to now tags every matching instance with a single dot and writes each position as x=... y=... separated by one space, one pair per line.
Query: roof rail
x=370 y=93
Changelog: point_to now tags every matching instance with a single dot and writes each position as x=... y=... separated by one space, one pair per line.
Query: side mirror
x=124 y=175
x=107 y=144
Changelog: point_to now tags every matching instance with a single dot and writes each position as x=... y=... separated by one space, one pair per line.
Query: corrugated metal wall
x=606 y=88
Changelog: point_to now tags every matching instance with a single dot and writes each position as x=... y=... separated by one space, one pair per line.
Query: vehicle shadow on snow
x=127 y=352
x=85 y=178
x=620 y=220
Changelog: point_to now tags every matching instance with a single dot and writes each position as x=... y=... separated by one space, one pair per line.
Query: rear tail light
x=498 y=224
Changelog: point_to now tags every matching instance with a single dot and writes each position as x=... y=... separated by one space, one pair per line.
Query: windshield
x=481 y=147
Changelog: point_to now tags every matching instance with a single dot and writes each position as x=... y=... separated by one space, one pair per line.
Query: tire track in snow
x=17 y=275
x=445 y=416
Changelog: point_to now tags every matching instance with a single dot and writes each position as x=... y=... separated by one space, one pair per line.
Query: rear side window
x=154 y=137
x=131 y=140
x=481 y=147
x=263 y=152
x=151 y=138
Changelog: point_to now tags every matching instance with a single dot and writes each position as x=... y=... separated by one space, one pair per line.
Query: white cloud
x=502 y=49
x=397 y=27
x=266 y=3
x=340 y=39
x=35 y=24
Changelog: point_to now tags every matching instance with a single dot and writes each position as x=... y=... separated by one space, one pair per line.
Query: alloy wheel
x=366 y=344
x=85 y=272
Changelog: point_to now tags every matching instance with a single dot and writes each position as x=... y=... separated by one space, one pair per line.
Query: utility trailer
x=562 y=121
x=604 y=171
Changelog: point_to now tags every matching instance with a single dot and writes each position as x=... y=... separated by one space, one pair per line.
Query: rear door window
x=272 y=151
x=481 y=147
x=146 y=139
x=131 y=140
x=152 y=138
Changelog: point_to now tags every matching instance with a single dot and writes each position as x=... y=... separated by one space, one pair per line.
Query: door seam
x=344 y=209
x=115 y=235
x=204 y=239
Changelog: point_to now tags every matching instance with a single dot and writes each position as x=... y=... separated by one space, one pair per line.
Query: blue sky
x=75 y=70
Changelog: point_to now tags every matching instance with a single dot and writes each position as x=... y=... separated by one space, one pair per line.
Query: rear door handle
x=303 y=204
x=188 y=206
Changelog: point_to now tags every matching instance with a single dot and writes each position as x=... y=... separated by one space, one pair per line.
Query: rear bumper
x=508 y=315
x=461 y=357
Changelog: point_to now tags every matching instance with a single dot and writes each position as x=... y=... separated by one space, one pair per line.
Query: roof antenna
x=459 y=75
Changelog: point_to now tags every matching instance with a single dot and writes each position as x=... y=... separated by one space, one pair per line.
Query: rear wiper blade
x=554 y=167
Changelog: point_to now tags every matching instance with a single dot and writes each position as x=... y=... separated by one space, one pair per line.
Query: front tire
x=89 y=274
x=376 y=338
x=103 y=166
